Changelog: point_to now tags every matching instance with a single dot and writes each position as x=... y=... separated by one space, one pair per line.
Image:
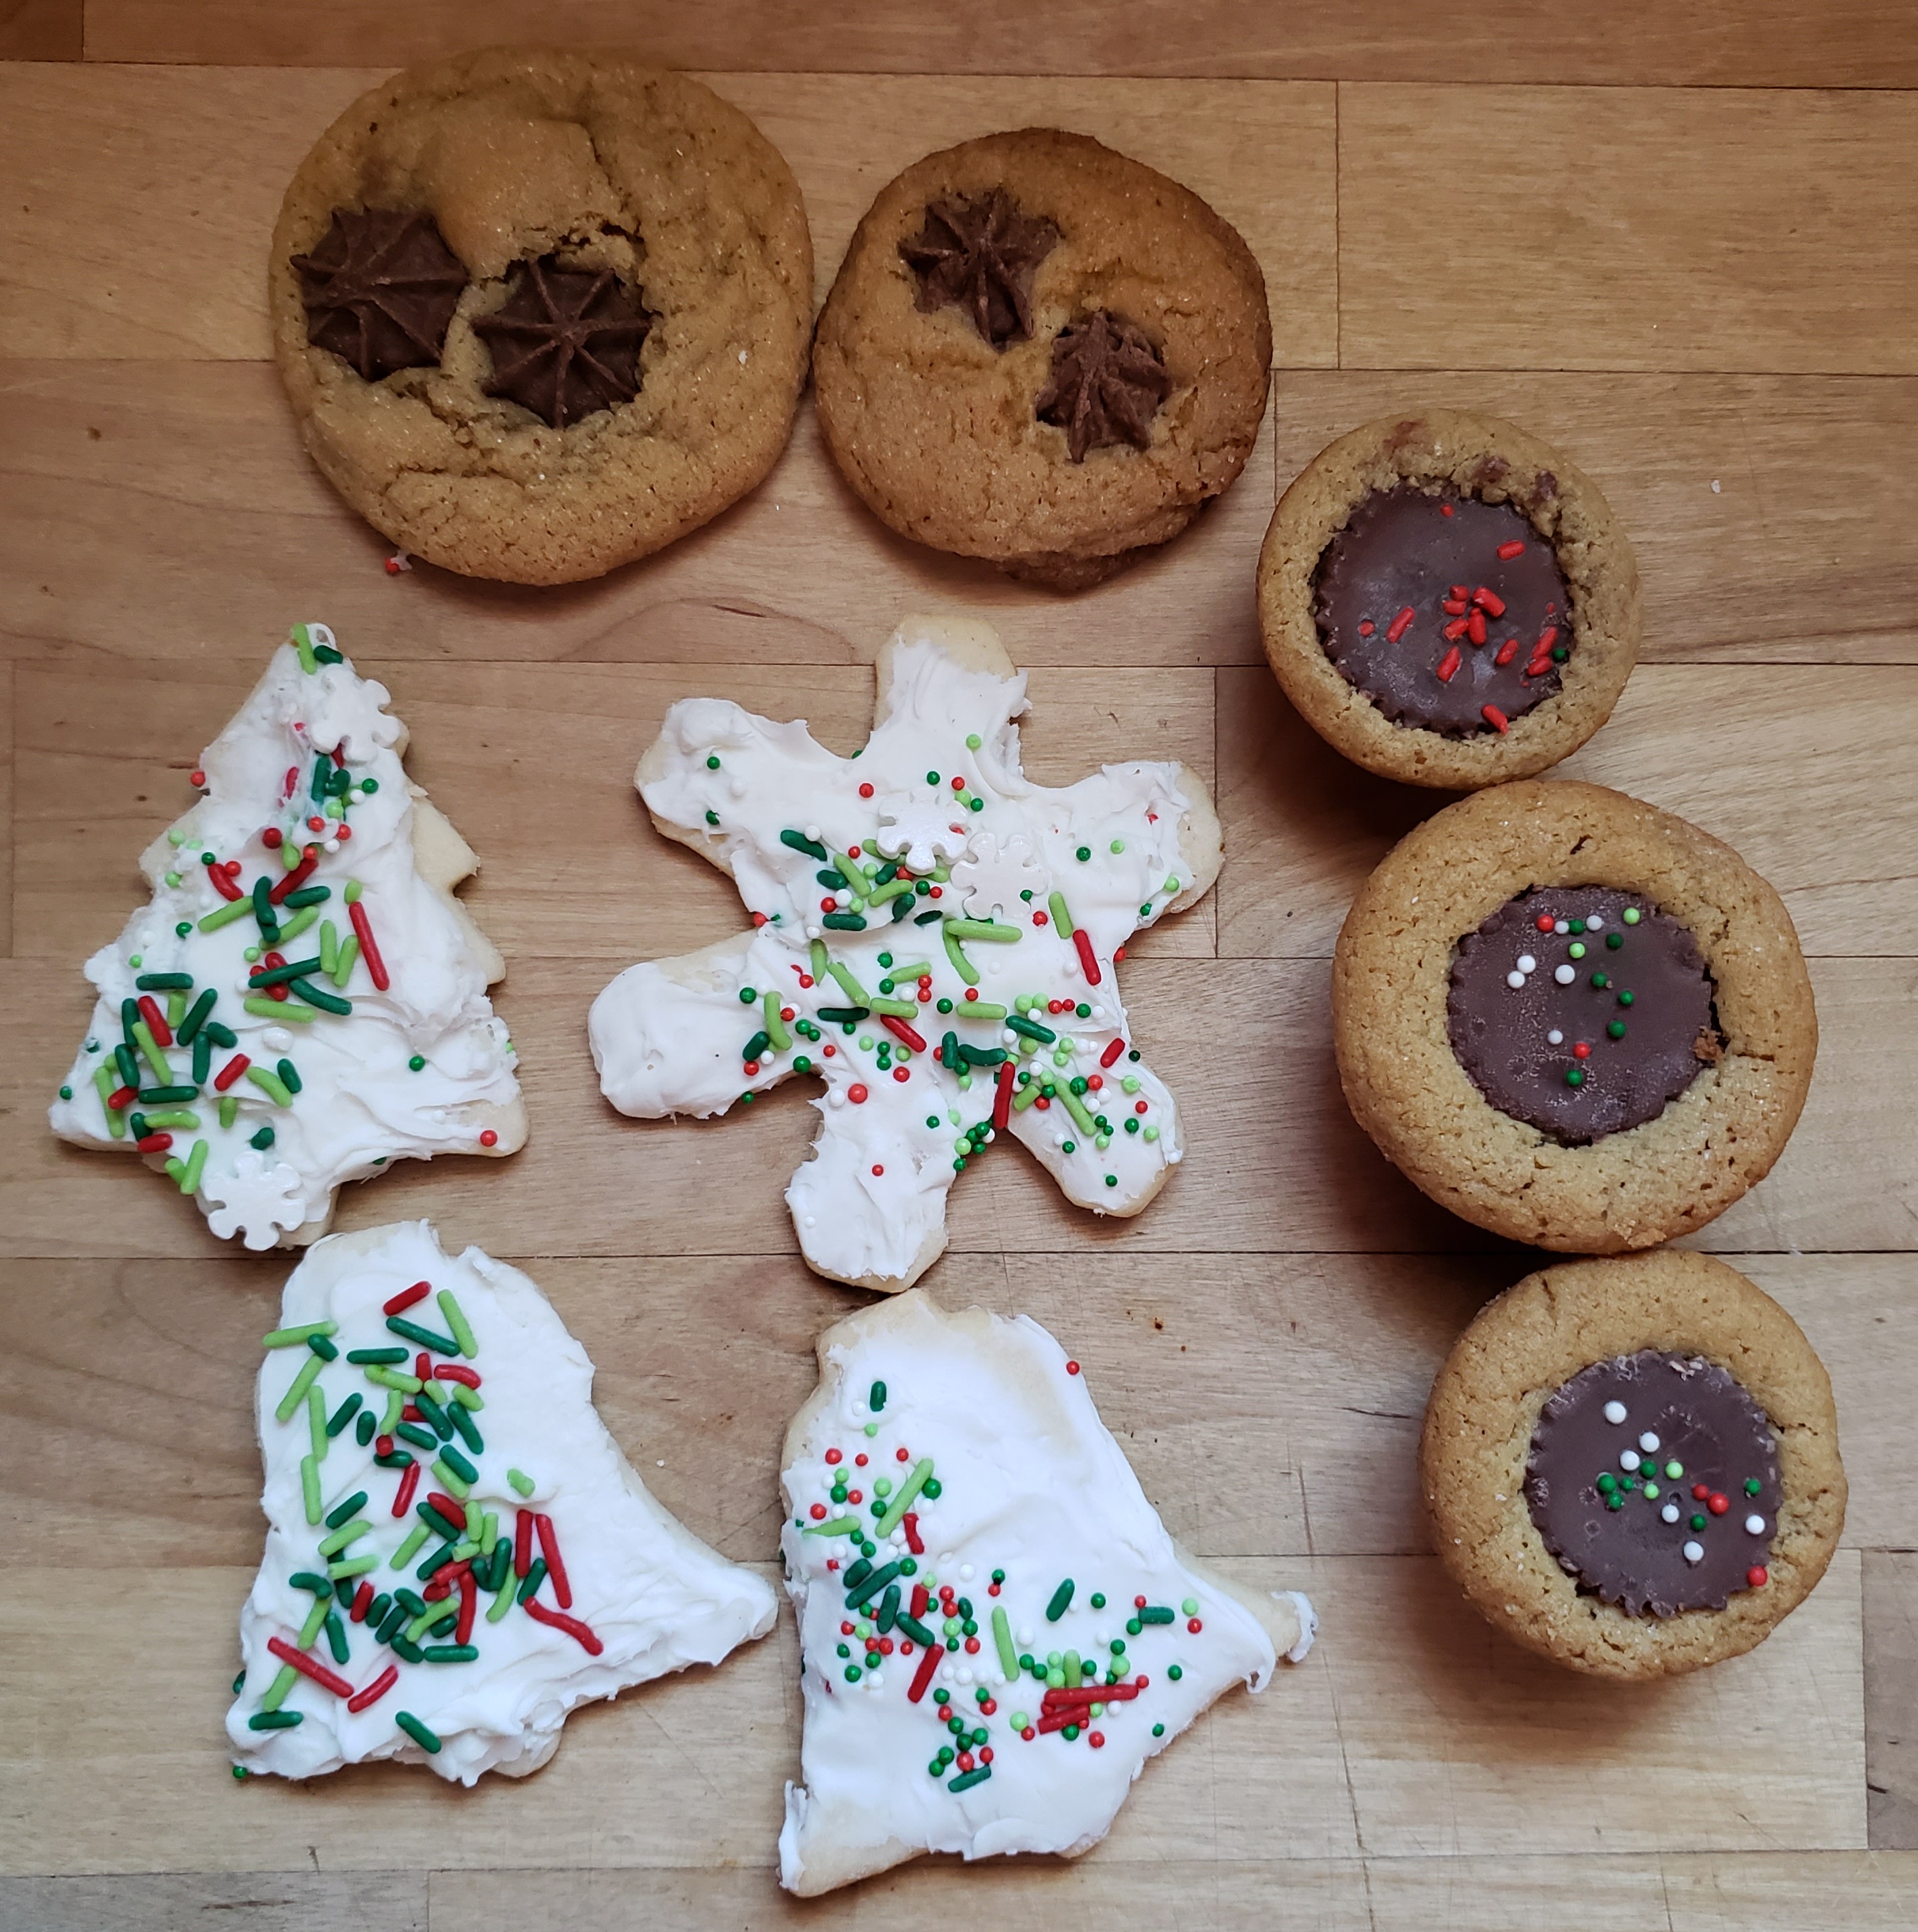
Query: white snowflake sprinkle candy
x=986 y=1738
x=457 y=1553
x=304 y=1000
x=914 y=905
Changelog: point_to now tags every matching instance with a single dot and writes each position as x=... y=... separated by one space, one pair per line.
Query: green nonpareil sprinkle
x=522 y=1483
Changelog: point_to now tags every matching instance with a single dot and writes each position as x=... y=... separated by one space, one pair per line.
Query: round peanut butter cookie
x=1447 y=600
x=1572 y=1018
x=1041 y=353
x=1632 y=1466
x=541 y=313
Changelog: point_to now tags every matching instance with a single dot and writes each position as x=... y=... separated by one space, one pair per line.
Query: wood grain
x=1765 y=758
x=206 y=153
x=1786 y=246
x=41 y=30
x=1274 y=1163
x=1418 y=1732
x=192 y=527
x=1314 y=1375
x=1891 y=1694
x=1749 y=42
x=245 y=1902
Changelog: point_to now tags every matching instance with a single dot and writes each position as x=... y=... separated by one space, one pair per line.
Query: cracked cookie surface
x=606 y=165
x=937 y=425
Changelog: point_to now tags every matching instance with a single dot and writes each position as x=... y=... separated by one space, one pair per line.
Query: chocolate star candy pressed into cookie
x=1108 y=383
x=979 y=253
x=566 y=342
x=380 y=288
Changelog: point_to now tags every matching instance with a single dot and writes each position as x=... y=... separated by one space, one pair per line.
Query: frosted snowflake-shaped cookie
x=996 y=1633
x=304 y=1000
x=457 y=1553
x=935 y=1029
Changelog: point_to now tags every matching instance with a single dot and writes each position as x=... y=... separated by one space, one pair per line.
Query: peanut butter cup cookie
x=1572 y=1018
x=1041 y=353
x=541 y=313
x=1447 y=600
x=1631 y=1466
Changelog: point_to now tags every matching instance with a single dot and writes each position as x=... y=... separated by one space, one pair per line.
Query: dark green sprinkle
x=343 y=1512
x=1156 y=1613
x=454 y=1460
x=1061 y=1596
x=1615 y=1028
x=875 y=1400
x=164 y=983
x=799 y=841
x=434 y=1563
x=195 y=1017
x=376 y=1611
x=359 y=1355
x=469 y=1429
x=437 y=1523
x=535 y=1577
x=755 y=1046
x=289 y=1074
x=276 y=1721
x=1032 y=1029
x=364 y=1428
x=415 y=1730
x=1614 y=940
x=417 y=1062
x=420 y=1438
x=403 y=1646
x=167 y=1097
x=336 y=1636
x=262 y=1140
x=317 y=996
x=399 y=1460
x=327 y=1351
x=221 y=1035
x=308 y=895
x=424 y=1402
x=440 y=1345
x=844 y=922
x=966 y=1780
x=308 y=1579
x=450 y=1653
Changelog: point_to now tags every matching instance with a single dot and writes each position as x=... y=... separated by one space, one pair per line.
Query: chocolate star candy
x=380 y=288
x=1108 y=383
x=566 y=342
x=979 y=253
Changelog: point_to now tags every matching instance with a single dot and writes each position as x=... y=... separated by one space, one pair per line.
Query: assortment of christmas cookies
x=540 y=313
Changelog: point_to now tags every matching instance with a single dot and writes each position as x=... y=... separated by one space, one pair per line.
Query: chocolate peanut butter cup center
x=1449 y=614
x=1581 y=1011
x=379 y=289
x=1653 y=1478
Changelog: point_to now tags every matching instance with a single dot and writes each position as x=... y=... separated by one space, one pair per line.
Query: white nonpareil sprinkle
x=1754 y=1526
x=1563 y=925
x=1694 y=1552
x=1527 y=964
x=1595 y=924
x=1670 y=1512
x=1614 y=1410
x=1627 y=1459
x=1565 y=975
x=1555 y=1038
x=1648 y=1443
x=1514 y=980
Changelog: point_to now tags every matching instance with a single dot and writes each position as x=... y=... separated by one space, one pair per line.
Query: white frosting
x=656 y=1596
x=668 y=1036
x=1031 y=1483
x=361 y=1104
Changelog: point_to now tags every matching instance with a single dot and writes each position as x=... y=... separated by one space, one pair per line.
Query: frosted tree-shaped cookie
x=935 y=937
x=995 y=1630
x=457 y=1553
x=304 y=1000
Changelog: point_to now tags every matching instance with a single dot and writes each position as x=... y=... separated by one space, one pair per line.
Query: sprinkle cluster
x=1602 y=980
x=419 y=1414
x=896 y=1605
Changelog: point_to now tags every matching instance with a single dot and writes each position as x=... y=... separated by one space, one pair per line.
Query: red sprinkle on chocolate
x=1400 y=624
x=1496 y=718
x=1507 y=651
x=1489 y=601
x=1448 y=665
x=1512 y=549
x=1475 y=627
